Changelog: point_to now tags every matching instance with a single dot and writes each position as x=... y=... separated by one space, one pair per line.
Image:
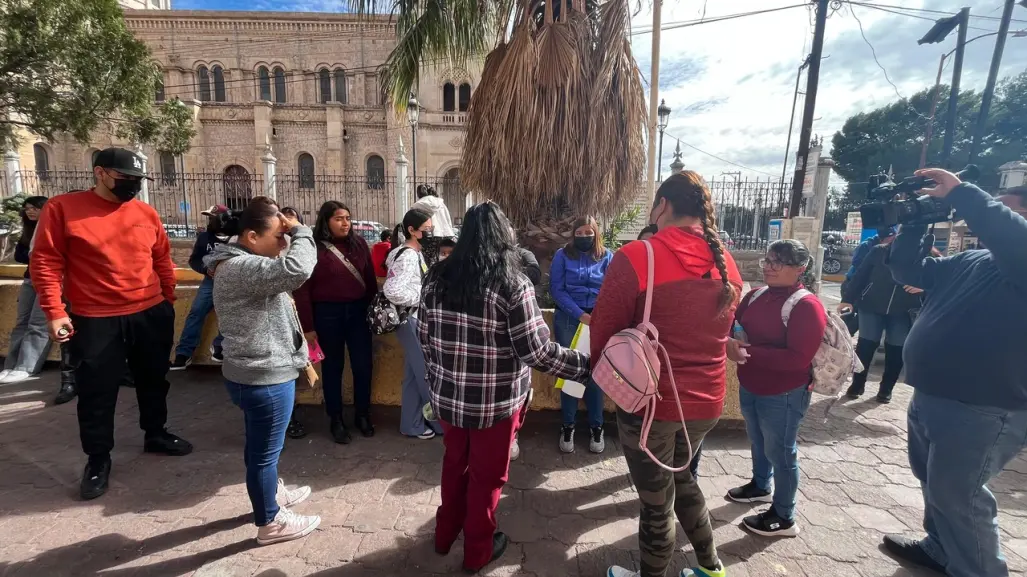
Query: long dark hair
x=324 y=214
x=414 y=218
x=485 y=258
x=28 y=226
x=688 y=195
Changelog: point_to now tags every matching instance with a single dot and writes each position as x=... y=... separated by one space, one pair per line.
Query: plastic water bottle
x=738 y=333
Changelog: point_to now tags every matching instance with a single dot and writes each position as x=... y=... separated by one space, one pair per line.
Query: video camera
x=903 y=205
x=226 y=223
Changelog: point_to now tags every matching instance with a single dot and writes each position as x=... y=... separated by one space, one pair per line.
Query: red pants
x=474 y=470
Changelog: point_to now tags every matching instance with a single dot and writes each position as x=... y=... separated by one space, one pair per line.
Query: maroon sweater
x=332 y=282
x=780 y=359
x=684 y=311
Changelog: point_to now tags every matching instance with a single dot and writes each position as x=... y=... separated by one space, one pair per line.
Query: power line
x=689 y=23
x=930 y=11
x=711 y=155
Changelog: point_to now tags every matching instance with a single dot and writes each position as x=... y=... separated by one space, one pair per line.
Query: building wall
x=339 y=136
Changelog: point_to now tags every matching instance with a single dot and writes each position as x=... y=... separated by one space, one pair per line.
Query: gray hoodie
x=263 y=343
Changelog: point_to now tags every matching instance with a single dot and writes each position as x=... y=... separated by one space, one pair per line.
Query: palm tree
x=556 y=127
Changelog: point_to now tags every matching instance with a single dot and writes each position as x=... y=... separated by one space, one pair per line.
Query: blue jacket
x=968 y=342
x=574 y=283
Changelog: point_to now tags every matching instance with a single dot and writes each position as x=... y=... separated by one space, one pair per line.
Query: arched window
x=375 y=172
x=42 y=158
x=279 y=84
x=158 y=91
x=340 y=86
x=264 y=83
x=465 y=97
x=324 y=85
x=448 y=97
x=203 y=81
x=236 y=183
x=219 y=84
x=306 y=170
x=168 y=172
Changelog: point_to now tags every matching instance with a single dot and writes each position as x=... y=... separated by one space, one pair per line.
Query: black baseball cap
x=122 y=160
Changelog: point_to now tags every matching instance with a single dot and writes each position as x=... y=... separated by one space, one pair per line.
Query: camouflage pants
x=664 y=494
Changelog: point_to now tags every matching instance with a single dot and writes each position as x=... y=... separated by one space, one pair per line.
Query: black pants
x=342 y=326
x=100 y=350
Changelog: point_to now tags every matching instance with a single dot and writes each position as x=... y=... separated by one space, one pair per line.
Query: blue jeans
x=772 y=422
x=954 y=450
x=202 y=305
x=564 y=327
x=266 y=411
x=894 y=327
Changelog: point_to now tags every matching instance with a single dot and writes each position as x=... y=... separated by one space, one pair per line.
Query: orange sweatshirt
x=111 y=258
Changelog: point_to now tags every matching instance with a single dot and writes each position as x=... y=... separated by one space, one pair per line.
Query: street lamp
x=413 y=111
x=663 y=116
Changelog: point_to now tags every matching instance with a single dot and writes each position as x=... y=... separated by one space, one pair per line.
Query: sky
x=730 y=84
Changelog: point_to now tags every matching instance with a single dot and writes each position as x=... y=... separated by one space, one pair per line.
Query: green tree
x=10 y=223
x=1009 y=139
x=556 y=126
x=71 y=67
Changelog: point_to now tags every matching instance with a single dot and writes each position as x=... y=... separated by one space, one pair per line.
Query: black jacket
x=873 y=289
x=205 y=244
x=530 y=264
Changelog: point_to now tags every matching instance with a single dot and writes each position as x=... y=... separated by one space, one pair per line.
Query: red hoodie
x=684 y=311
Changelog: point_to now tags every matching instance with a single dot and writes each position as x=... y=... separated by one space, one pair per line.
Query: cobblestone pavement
x=567 y=515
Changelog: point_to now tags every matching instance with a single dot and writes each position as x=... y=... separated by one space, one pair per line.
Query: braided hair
x=688 y=195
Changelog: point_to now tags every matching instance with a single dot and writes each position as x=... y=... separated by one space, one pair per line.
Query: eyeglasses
x=771 y=264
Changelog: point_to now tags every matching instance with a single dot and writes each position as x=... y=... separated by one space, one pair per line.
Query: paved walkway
x=567 y=515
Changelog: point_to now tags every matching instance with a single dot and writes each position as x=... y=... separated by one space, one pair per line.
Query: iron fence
x=180 y=198
x=744 y=208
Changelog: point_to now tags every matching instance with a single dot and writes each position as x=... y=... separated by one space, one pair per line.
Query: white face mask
x=443 y=257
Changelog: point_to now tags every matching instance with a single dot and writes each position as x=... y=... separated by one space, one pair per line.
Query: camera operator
x=965 y=360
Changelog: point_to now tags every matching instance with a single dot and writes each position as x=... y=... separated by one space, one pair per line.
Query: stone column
x=12 y=166
x=144 y=192
x=402 y=195
x=269 y=161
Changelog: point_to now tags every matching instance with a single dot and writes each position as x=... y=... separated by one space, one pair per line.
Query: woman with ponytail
x=695 y=291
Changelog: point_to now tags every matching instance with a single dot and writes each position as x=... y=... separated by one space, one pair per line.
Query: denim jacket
x=574 y=283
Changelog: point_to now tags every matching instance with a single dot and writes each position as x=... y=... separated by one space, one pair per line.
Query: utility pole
x=806 y=131
x=989 y=89
x=957 y=72
x=654 y=95
x=791 y=119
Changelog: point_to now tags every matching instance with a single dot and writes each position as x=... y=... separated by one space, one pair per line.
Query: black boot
x=66 y=394
x=892 y=369
x=865 y=350
x=339 y=432
x=94 y=478
x=365 y=425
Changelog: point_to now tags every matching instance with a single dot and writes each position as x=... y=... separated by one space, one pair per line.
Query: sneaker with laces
x=15 y=376
x=750 y=493
x=287 y=526
x=515 y=449
x=181 y=362
x=287 y=497
x=567 y=439
x=770 y=524
x=596 y=442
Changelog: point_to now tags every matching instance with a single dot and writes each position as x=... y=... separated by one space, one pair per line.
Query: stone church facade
x=303 y=84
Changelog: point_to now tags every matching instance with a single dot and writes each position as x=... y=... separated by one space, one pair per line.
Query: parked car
x=370 y=230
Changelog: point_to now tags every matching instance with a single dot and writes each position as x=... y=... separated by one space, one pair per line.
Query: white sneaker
x=567 y=439
x=15 y=377
x=287 y=526
x=3 y=374
x=515 y=450
x=427 y=435
x=616 y=571
x=596 y=442
x=287 y=498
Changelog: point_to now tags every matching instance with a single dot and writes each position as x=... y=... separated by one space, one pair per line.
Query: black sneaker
x=909 y=550
x=296 y=430
x=95 y=477
x=750 y=493
x=181 y=362
x=164 y=443
x=217 y=354
x=769 y=524
x=854 y=391
x=499 y=544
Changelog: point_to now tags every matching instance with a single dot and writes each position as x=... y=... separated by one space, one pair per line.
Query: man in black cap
x=110 y=256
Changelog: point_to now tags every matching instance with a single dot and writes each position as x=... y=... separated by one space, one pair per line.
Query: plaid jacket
x=479 y=361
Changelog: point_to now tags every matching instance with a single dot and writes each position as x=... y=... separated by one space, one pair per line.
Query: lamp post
x=413 y=111
x=663 y=115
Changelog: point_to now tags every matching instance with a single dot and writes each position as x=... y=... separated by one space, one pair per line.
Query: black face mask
x=427 y=233
x=584 y=243
x=126 y=189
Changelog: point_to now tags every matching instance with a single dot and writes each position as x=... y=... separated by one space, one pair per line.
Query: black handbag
x=851 y=321
x=383 y=316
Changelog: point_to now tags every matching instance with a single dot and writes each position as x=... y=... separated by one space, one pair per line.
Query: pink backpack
x=629 y=371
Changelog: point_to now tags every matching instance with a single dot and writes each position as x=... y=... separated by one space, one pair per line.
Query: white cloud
x=744 y=69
